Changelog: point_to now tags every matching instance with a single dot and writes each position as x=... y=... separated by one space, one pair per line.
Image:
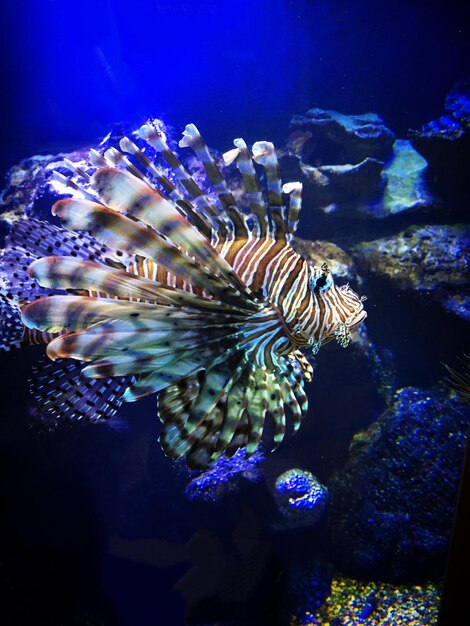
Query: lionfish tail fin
x=64 y=395
x=11 y=326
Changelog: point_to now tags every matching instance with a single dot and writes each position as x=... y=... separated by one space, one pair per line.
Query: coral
x=353 y=602
x=225 y=476
x=392 y=504
x=432 y=259
x=300 y=497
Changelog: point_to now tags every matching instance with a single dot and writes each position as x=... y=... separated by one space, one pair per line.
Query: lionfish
x=155 y=285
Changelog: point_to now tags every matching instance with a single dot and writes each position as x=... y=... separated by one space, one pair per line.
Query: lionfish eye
x=321 y=283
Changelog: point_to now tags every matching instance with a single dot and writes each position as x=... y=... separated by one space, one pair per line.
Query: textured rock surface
x=317 y=252
x=435 y=259
x=226 y=476
x=375 y=604
x=345 y=188
x=392 y=504
x=445 y=144
x=343 y=139
x=300 y=497
x=354 y=166
x=405 y=187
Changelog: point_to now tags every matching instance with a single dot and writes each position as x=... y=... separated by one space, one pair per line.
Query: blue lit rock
x=458 y=102
x=405 y=183
x=392 y=504
x=319 y=251
x=225 y=476
x=433 y=259
x=300 y=497
x=348 y=189
x=31 y=188
x=343 y=139
x=445 y=144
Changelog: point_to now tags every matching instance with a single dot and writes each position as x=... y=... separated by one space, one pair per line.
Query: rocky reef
x=431 y=259
x=445 y=144
x=393 y=502
x=225 y=476
x=339 y=138
x=375 y=604
x=354 y=166
x=300 y=497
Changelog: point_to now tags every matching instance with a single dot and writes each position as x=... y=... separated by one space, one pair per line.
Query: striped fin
x=65 y=396
x=157 y=381
x=16 y=284
x=225 y=410
x=69 y=273
x=252 y=187
x=43 y=239
x=193 y=139
x=123 y=233
x=77 y=312
x=11 y=328
x=123 y=192
x=155 y=139
x=157 y=175
x=294 y=190
x=141 y=337
x=265 y=154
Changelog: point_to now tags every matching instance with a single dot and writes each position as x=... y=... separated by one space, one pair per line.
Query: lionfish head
x=340 y=309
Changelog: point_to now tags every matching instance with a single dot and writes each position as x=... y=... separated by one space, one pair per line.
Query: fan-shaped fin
x=122 y=233
x=150 y=134
x=77 y=312
x=65 y=395
x=193 y=139
x=254 y=195
x=195 y=217
x=11 y=328
x=43 y=239
x=294 y=190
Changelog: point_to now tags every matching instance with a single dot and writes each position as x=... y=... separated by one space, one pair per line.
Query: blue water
x=96 y=520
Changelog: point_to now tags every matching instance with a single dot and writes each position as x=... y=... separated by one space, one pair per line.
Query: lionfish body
x=157 y=287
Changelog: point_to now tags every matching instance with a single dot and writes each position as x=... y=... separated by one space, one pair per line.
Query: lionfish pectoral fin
x=225 y=407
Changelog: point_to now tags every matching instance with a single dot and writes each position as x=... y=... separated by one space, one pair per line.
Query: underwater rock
x=392 y=505
x=458 y=102
x=405 y=187
x=225 y=476
x=432 y=259
x=354 y=165
x=300 y=497
x=27 y=193
x=343 y=139
x=445 y=144
x=375 y=604
x=317 y=252
x=345 y=188
x=34 y=184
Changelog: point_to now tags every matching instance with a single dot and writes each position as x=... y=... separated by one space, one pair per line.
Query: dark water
x=97 y=528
